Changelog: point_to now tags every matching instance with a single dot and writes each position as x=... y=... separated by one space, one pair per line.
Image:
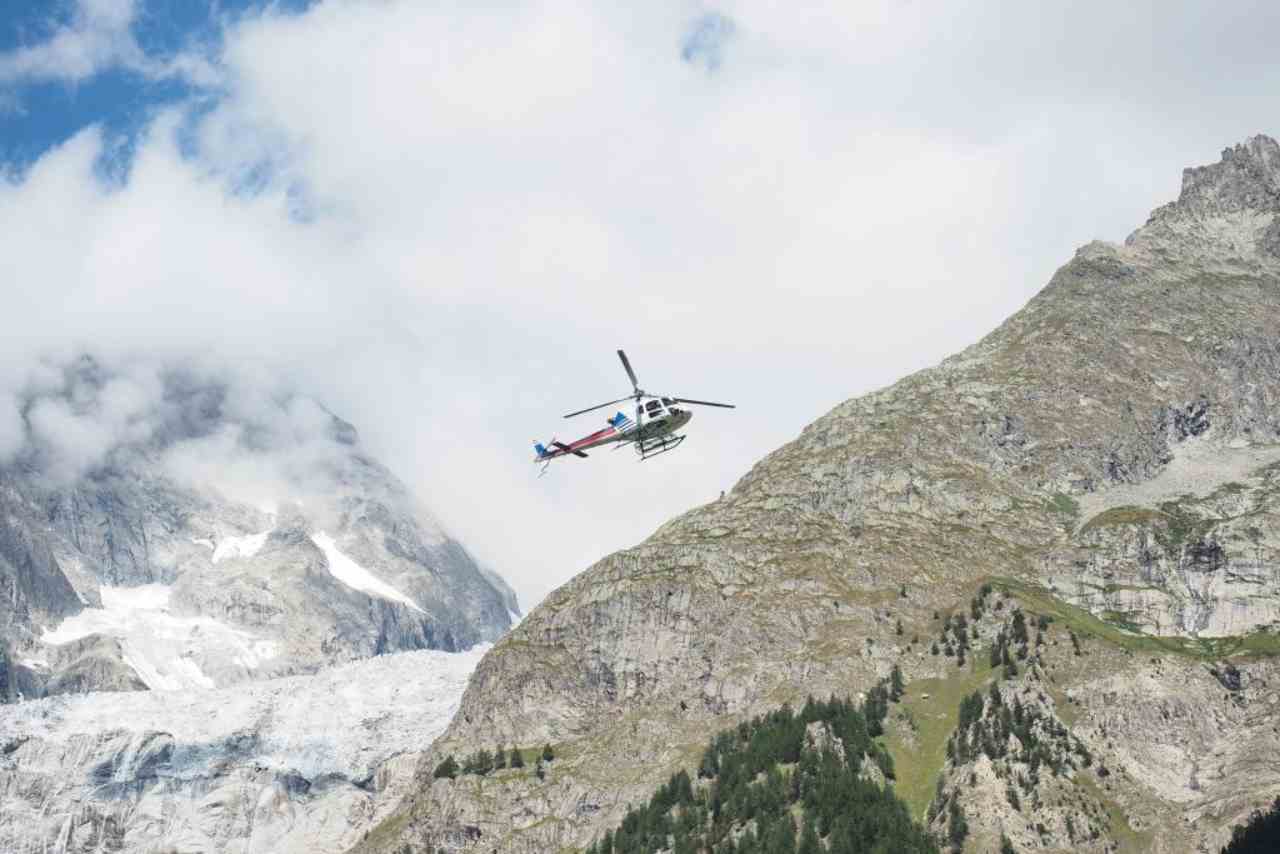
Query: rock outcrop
x=1106 y=453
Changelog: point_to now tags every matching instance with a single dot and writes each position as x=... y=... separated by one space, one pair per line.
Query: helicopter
x=651 y=432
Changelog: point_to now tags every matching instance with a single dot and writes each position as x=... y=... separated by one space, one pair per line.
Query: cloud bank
x=441 y=219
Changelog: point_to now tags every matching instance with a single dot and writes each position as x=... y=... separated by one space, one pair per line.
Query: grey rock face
x=92 y=663
x=1142 y=380
x=1180 y=563
x=193 y=541
x=31 y=582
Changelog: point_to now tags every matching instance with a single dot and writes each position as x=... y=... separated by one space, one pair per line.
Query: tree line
x=484 y=762
x=778 y=785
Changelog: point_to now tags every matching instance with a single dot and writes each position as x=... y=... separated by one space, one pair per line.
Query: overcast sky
x=443 y=218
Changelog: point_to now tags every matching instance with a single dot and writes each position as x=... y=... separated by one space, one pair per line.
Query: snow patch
x=163 y=648
x=233 y=547
x=356 y=576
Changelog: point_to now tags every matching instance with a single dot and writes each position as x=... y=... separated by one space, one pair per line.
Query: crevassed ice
x=344 y=720
x=162 y=648
x=356 y=576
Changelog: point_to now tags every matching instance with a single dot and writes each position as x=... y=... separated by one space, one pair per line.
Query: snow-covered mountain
x=172 y=527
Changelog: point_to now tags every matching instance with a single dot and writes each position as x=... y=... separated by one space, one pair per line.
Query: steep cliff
x=1107 y=456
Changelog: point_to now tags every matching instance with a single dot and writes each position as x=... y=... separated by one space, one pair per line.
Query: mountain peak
x=1226 y=211
x=1247 y=176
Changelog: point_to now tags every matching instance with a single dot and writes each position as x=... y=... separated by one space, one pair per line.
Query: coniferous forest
x=779 y=785
x=1258 y=835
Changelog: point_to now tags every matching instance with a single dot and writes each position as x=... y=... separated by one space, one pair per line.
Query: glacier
x=299 y=763
x=163 y=648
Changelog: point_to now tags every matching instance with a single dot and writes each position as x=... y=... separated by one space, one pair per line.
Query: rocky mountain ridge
x=1107 y=455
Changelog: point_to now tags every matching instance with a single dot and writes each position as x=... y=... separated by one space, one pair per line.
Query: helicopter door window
x=653 y=408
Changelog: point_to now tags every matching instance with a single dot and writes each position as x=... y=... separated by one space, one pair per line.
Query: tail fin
x=540 y=448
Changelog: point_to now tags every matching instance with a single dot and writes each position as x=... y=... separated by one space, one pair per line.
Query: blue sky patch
x=38 y=114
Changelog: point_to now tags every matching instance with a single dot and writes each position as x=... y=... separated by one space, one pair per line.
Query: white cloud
x=12 y=430
x=498 y=197
x=72 y=439
x=98 y=37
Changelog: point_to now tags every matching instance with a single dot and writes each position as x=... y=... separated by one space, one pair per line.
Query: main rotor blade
x=630 y=373
x=705 y=403
x=599 y=406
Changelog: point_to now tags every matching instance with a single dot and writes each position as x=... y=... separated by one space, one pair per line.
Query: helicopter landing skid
x=647 y=448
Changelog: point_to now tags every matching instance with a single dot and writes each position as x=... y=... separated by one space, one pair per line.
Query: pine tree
x=1011 y=795
x=710 y=765
x=782 y=835
x=1006 y=847
x=957 y=826
x=548 y=755
x=809 y=842
x=1019 y=627
x=896 y=685
x=517 y=758
x=448 y=768
x=499 y=758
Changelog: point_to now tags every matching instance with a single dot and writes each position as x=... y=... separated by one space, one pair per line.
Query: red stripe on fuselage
x=597 y=438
